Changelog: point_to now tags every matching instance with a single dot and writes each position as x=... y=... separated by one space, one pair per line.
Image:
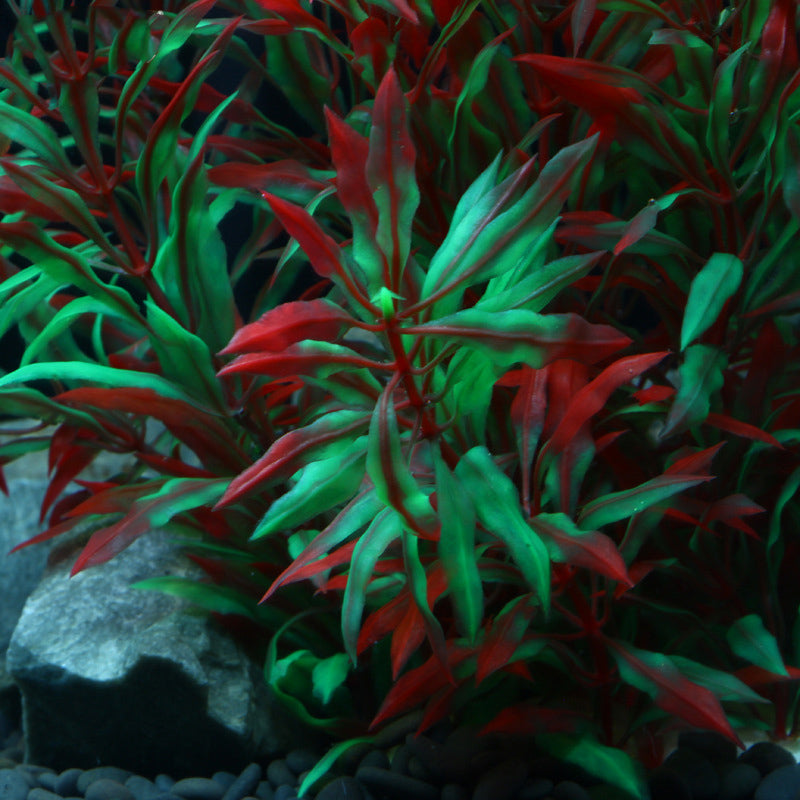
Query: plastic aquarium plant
x=529 y=438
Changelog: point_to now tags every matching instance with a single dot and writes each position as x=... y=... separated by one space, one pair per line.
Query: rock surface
x=112 y=674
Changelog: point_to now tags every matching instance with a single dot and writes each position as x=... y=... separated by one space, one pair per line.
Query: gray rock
x=114 y=675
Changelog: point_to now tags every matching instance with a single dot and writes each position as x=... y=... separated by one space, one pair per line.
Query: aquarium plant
x=457 y=342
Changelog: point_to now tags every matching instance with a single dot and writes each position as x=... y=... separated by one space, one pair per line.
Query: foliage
x=530 y=433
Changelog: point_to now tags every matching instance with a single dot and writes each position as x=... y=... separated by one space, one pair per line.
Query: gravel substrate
x=448 y=765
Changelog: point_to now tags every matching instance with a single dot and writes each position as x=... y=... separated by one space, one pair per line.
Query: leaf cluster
x=529 y=432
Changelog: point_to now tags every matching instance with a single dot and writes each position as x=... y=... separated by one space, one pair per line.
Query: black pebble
x=401 y=758
x=781 y=784
x=224 y=779
x=767 y=757
x=396 y=786
x=697 y=771
x=738 y=782
x=375 y=758
x=89 y=776
x=502 y=782
x=42 y=794
x=13 y=785
x=454 y=791
x=198 y=789
x=279 y=774
x=344 y=788
x=714 y=746
x=536 y=789
x=67 y=782
x=428 y=753
x=108 y=789
x=142 y=788
x=285 y=792
x=301 y=760
x=665 y=784
x=569 y=790
x=164 y=782
x=246 y=783
x=264 y=791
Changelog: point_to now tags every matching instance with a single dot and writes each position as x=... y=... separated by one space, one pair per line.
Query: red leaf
x=654 y=394
x=527 y=415
x=676 y=694
x=50 y=533
x=437 y=708
x=116 y=499
x=293 y=450
x=382 y=621
x=304 y=358
x=321 y=249
x=410 y=631
x=590 y=549
x=758 y=676
x=529 y=719
x=288 y=324
x=778 y=38
x=695 y=463
x=370 y=41
x=593 y=397
x=504 y=638
x=407 y=637
x=739 y=428
x=173 y=466
x=14 y=200
x=282 y=174
x=73 y=462
x=417 y=685
x=349 y=153
x=296 y=15
x=603 y=91
x=204 y=434
x=390 y=173
x=107 y=542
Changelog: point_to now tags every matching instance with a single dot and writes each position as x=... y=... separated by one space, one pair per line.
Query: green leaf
x=787 y=492
x=535 y=291
x=66 y=266
x=321 y=486
x=384 y=529
x=522 y=336
x=498 y=508
x=417 y=582
x=35 y=135
x=750 y=640
x=623 y=505
x=389 y=470
x=182 y=494
x=483 y=242
x=324 y=765
x=98 y=374
x=720 y=110
x=61 y=321
x=610 y=764
x=701 y=376
x=711 y=288
x=673 y=692
x=328 y=675
x=184 y=356
x=457 y=550
x=473 y=85
x=722 y=684
x=219 y=599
